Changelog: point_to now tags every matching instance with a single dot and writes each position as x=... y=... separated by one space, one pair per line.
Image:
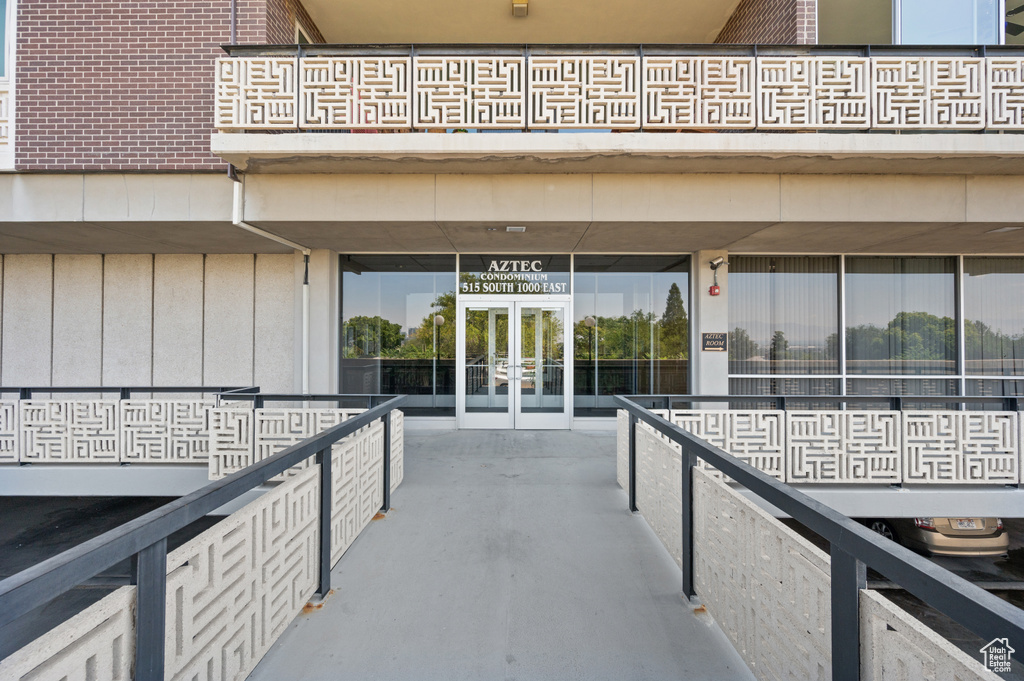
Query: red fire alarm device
x=714 y=290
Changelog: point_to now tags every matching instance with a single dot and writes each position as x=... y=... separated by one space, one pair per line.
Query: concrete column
x=324 y=322
x=710 y=315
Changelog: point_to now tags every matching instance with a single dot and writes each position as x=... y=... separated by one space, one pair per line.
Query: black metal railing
x=144 y=540
x=784 y=402
x=852 y=547
x=125 y=392
x=615 y=49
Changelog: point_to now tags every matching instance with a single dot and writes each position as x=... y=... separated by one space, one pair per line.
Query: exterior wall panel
x=274 y=341
x=77 y=319
x=27 y=319
x=138 y=320
x=178 y=321
x=127 y=320
x=228 y=328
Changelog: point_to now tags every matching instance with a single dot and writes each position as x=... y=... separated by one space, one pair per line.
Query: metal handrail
x=853 y=548
x=259 y=399
x=652 y=49
x=896 y=402
x=144 y=540
x=25 y=392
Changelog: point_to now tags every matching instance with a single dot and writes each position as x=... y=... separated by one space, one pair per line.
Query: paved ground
x=508 y=555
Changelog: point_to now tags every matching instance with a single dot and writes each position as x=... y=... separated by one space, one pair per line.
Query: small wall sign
x=714 y=342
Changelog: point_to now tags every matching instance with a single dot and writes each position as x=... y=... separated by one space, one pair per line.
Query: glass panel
x=1015 y=22
x=784 y=386
x=631 y=329
x=949 y=22
x=902 y=386
x=994 y=388
x=3 y=38
x=784 y=316
x=487 y=369
x=854 y=22
x=542 y=360
x=900 y=316
x=398 y=329
x=993 y=323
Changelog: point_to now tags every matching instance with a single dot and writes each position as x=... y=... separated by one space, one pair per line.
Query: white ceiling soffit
x=548 y=21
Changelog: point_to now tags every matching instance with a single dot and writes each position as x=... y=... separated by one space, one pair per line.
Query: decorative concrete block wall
x=233 y=590
x=622 y=448
x=397 y=448
x=97 y=643
x=659 y=487
x=961 y=447
x=755 y=437
x=620 y=91
x=843 y=446
x=858 y=447
x=165 y=431
x=897 y=646
x=66 y=431
x=769 y=589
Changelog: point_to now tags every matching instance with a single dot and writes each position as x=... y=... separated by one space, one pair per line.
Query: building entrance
x=512 y=365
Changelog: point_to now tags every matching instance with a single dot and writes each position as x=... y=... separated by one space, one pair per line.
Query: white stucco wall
x=149 y=320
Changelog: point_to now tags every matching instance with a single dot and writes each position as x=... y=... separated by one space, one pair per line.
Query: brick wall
x=281 y=18
x=772 y=22
x=114 y=85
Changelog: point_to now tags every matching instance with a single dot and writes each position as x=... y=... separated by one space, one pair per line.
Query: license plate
x=966 y=524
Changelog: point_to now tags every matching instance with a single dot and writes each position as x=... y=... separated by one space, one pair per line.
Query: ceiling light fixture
x=515 y=228
x=520 y=8
x=1003 y=229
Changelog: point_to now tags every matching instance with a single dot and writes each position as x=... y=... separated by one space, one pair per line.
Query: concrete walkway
x=507 y=555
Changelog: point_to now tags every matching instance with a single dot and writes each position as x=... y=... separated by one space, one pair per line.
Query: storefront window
x=901 y=316
x=948 y=22
x=783 y=315
x=398 y=329
x=993 y=325
x=631 y=329
x=784 y=322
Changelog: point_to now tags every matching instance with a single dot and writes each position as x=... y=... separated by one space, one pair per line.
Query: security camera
x=717 y=262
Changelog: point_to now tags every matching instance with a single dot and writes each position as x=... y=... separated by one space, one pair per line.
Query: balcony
x=697 y=88
x=633 y=91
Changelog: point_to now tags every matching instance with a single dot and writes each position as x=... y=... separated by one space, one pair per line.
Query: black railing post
x=688 y=461
x=633 y=421
x=125 y=393
x=849 y=576
x=323 y=459
x=149 y=574
x=386 y=497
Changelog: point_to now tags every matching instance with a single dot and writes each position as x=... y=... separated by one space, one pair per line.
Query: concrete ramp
x=507 y=555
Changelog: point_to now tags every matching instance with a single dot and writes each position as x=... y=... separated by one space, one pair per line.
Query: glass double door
x=513 y=369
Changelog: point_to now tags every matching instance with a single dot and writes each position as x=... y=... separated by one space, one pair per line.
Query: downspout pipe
x=238 y=220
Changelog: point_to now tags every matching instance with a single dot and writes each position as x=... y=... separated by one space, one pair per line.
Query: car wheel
x=883 y=528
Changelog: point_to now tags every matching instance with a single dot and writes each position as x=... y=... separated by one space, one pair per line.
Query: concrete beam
x=632 y=152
